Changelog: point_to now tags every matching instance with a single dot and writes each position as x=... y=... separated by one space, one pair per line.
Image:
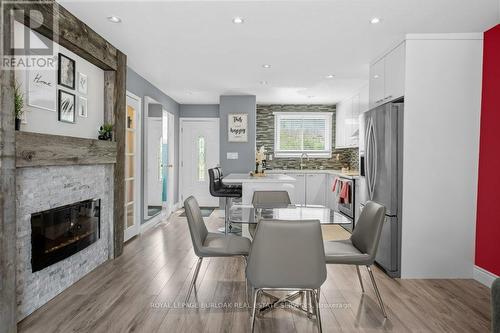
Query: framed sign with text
x=237 y=130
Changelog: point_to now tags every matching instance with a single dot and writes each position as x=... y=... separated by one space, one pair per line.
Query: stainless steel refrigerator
x=381 y=160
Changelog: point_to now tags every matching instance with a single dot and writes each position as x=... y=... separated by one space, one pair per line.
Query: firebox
x=63 y=231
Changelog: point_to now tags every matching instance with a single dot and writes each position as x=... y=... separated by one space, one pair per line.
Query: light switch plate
x=232 y=156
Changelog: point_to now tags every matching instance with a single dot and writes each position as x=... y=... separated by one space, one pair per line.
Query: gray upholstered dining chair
x=207 y=244
x=287 y=255
x=495 y=306
x=268 y=199
x=361 y=248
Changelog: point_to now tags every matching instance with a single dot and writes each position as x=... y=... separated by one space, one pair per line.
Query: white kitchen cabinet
x=347 y=119
x=395 y=73
x=316 y=189
x=387 y=77
x=299 y=197
x=377 y=82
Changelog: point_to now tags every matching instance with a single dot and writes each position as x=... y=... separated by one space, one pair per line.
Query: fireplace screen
x=63 y=231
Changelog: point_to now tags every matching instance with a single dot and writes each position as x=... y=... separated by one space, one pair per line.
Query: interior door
x=132 y=167
x=154 y=161
x=199 y=152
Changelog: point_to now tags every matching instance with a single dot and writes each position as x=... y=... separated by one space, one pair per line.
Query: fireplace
x=63 y=231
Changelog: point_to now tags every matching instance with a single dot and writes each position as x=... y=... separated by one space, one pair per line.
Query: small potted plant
x=106 y=132
x=18 y=105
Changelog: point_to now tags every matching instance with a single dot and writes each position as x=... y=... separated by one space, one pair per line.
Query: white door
x=199 y=151
x=132 y=166
x=154 y=161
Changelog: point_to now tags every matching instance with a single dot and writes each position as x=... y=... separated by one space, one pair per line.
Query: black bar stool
x=218 y=189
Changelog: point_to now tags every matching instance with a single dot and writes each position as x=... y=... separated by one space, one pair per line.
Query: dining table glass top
x=248 y=214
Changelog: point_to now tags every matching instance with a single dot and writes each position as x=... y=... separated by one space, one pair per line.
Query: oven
x=346 y=206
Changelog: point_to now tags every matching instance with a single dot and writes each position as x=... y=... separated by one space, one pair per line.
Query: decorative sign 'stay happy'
x=237 y=127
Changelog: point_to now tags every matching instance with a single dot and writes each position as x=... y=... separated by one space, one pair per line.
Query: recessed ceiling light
x=266 y=66
x=375 y=20
x=238 y=20
x=330 y=76
x=264 y=82
x=114 y=19
x=376 y=76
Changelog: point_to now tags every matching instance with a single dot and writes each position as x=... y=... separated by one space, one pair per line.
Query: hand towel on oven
x=344 y=196
x=336 y=184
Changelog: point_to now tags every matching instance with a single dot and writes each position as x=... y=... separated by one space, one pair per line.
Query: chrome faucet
x=301 y=158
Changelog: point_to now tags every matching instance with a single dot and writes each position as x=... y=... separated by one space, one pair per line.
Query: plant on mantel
x=106 y=132
x=18 y=105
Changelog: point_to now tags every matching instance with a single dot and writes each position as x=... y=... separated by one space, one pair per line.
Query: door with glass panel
x=132 y=166
x=199 y=152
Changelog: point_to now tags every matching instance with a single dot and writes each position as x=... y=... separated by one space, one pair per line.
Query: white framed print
x=82 y=83
x=237 y=127
x=82 y=107
x=42 y=89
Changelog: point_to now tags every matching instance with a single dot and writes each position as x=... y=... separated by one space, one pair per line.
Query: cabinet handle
x=388 y=97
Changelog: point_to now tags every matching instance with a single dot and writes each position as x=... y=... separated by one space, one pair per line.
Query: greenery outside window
x=296 y=133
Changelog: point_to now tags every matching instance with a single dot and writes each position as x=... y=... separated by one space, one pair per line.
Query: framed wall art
x=66 y=107
x=237 y=127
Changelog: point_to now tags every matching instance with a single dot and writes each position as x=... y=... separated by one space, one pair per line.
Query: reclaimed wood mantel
x=35 y=149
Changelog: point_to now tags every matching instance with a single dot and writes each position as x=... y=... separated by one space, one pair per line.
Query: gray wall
x=245 y=150
x=139 y=86
x=199 y=110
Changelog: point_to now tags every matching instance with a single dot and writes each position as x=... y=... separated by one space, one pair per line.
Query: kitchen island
x=267 y=182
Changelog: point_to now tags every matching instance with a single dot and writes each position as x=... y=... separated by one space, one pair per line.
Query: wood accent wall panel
x=8 y=303
x=71 y=33
x=119 y=114
x=35 y=149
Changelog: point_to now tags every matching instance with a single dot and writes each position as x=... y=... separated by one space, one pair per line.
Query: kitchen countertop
x=350 y=174
x=276 y=177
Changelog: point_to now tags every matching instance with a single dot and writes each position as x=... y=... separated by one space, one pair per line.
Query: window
x=296 y=133
x=201 y=159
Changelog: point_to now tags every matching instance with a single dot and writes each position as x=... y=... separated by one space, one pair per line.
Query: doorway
x=199 y=151
x=132 y=166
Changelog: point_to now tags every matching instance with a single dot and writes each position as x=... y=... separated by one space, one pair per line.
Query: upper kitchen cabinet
x=387 y=77
x=347 y=119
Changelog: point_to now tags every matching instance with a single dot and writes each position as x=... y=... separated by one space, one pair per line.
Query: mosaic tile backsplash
x=265 y=136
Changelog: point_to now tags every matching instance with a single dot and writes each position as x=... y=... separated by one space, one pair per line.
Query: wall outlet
x=232 y=156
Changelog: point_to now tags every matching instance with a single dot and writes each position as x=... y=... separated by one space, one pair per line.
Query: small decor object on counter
x=66 y=107
x=82 y=83
x=106 y=132
x=66 y=71
x=237 y=127
x=42 y=88
x=260 y=157
x=18 y=106
x=82 y=107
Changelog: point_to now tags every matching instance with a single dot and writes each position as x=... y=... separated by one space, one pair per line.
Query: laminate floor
x=143 y=291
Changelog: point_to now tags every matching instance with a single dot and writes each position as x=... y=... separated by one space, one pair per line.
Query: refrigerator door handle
x=368 y=156
x=375 y=162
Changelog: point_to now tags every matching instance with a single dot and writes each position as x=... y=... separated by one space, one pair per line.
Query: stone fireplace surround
x=46 y=187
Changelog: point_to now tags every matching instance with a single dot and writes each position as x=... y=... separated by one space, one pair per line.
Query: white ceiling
x=193 y=52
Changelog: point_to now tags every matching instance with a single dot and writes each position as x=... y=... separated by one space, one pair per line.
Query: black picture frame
x=60 y=100
x=60 y=80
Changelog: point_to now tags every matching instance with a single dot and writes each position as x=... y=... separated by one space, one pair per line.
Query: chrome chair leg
x=193 y=281
x=315 y=297
x=308 y=302
x=226 y=215
x=377 y=293
x=360 y=280
x=255 y=294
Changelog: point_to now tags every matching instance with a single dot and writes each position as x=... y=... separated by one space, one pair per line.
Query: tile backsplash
x=265 y=136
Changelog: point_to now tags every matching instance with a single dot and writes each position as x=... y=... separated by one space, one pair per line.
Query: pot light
x=114 y=19
x=375 y=20
x=238 y=20
x=266 y=66
x=330 y=76
x=376 y=76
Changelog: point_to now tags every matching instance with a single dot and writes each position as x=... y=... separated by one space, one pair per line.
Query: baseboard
x=483 y=276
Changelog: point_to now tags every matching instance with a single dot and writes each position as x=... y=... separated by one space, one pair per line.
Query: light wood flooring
x=142 y=291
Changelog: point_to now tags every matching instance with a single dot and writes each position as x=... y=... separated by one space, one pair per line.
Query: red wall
x=488 y=199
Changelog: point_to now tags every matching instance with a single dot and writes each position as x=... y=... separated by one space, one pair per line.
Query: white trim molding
x=483 y=276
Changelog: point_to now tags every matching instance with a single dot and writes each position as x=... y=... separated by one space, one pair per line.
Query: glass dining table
x=248 y=214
